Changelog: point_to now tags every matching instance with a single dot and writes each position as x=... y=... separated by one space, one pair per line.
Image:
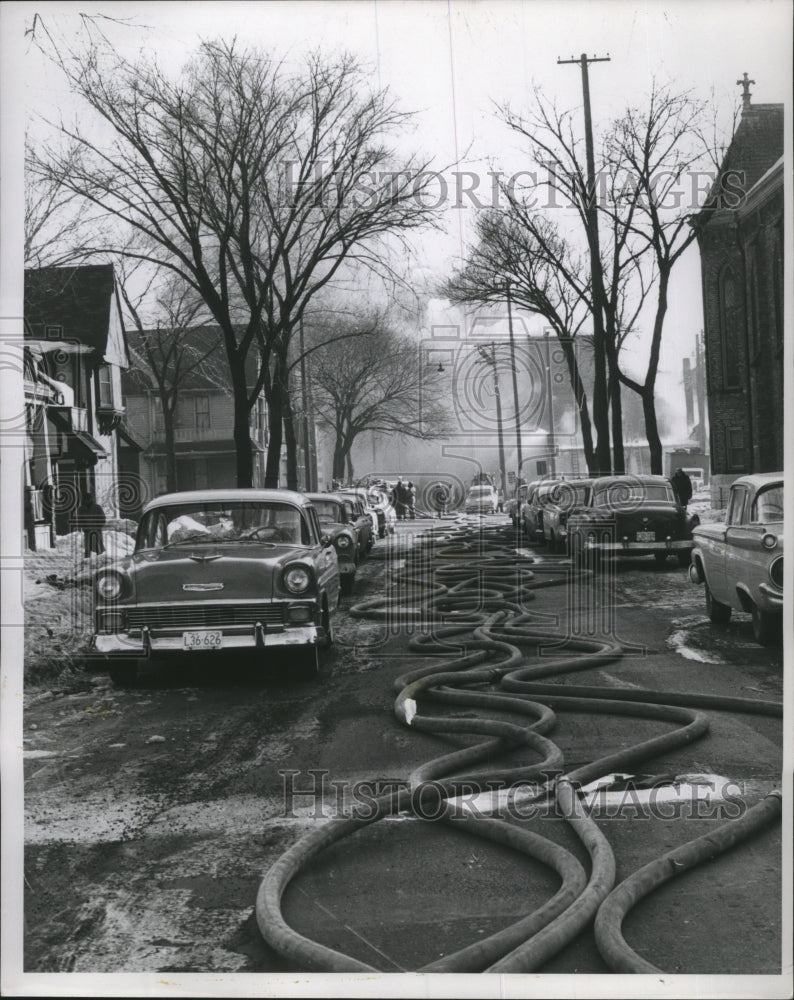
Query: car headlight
x=109 y=585
x=776 y=572
x=343 y=542
x=297 y=579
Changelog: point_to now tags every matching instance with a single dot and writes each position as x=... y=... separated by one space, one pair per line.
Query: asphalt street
x=152 y=814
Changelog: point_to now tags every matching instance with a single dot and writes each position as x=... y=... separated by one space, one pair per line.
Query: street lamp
x=492 y=361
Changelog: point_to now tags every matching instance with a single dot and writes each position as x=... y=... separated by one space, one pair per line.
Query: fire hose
x=478 y=585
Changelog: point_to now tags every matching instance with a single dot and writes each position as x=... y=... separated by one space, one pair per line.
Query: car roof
x=758 y=479
x=324 y=496
x=631 y=480
x=249 y=495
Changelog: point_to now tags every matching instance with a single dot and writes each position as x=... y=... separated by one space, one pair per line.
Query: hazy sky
x=452 y=62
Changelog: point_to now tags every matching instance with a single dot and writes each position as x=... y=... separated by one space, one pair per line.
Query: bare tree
x=658 y=147
x=520 y=252
x=375 y=382
x=253 y=183
x=644 y=157
x=173 y=353
x=54 y=228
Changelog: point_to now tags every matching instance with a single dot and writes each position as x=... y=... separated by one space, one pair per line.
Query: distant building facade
x=204 y=448
x=740 y=236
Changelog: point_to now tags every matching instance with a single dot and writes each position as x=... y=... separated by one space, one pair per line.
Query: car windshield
x=633 y=494
x=328 y=510
x=221 y=522
x=480 y=491
x=768 y=504
x=566 y=495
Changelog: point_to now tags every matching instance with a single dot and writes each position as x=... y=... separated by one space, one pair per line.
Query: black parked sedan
x=336 y=522
x=631 y=515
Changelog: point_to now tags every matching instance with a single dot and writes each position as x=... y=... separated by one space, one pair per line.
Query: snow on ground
x=58 y=600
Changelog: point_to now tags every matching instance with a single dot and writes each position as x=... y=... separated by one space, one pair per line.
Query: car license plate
x=646 y=536
x=202 y=640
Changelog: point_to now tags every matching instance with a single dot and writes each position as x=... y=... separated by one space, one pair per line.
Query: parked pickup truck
x=740 y=561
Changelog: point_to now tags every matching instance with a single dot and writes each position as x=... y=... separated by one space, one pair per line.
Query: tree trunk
x=242 y=431
x=291 y=441
x=616 y=408
x=649 y=388
x=171 y=481
x=275 y=425
x=339 y=459
x=652 y=431
x=350 y=473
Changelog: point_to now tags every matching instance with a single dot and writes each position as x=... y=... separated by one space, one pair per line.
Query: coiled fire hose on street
x=478 y=585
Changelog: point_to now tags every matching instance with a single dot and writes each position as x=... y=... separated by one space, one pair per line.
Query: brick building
x=740 y=236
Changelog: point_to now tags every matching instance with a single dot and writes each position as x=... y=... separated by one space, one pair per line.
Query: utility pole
x=307 y=448
x=498 y=396
x=600 y=396
x=519 y=459
x=550 y=396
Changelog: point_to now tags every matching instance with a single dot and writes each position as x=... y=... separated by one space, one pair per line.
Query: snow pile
x=117 y=544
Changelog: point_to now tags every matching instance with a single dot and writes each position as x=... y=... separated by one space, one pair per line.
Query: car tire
x=310 y=662
x=719 y=613
x=767 y=628
x=347 y=583
x=124 y=673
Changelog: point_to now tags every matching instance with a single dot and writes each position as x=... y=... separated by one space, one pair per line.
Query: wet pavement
x=152 y=814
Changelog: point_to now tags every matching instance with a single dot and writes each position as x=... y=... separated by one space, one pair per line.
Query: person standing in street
x=91 y=520
x=411 y=500
x=682 y=485
x=400 y=499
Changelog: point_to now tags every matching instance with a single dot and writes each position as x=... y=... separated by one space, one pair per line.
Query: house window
x=202 y=412
x=730 y=326
x=159 y=423
x=105 y=381
x=200 y=474
x=53 y=332
x=753 y=313
x=736 y=511
x=161 y=480
x=735 y=444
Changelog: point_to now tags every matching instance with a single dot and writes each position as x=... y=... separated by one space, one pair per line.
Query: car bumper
x=771 y=599
x=640 y=548
x=118 y=645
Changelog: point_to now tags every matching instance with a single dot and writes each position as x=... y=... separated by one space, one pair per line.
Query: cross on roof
x=744 y=83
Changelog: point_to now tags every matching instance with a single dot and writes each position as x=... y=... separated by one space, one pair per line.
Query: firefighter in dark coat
x=682 y=485
x=91 y=520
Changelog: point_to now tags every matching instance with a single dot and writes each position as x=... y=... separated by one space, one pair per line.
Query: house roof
x=76 y=299
x=756 y=146
x=139 y=380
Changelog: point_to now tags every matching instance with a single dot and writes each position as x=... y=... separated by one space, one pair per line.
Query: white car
x=481 y=500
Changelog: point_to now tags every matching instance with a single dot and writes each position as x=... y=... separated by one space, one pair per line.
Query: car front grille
x=191 y=616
